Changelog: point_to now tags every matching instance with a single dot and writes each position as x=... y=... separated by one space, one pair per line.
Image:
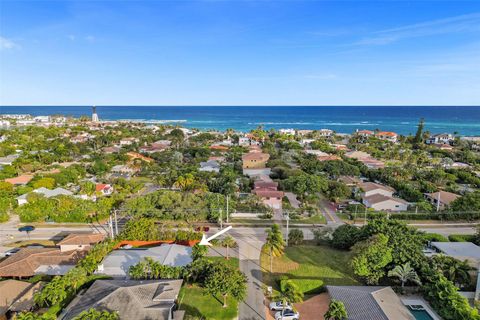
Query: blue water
x=403 y=120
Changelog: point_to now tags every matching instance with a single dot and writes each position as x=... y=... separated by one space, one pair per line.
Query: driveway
x=328 y=210
x=250 y=243
x=292 y=198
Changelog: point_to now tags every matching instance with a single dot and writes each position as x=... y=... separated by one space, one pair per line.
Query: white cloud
x=457 y=24
x=90 y=38
x=7 y=44
x=71 y=37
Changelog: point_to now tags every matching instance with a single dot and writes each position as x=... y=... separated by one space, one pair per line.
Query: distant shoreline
x=464 y=120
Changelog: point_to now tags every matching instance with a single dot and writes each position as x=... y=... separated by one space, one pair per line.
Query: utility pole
x=221 y=221
x=288 y=219
x=438 y=201
x=110 y=223
x=227 y=206
x=116 y=222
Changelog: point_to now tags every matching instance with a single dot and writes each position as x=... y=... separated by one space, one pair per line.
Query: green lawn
x=198 y=305
x=310 y=267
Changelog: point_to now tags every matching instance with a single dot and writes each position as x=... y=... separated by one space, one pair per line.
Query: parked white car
x=278 y=306
x=288 y=314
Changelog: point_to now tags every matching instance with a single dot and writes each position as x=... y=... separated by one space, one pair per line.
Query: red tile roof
x=27 y=260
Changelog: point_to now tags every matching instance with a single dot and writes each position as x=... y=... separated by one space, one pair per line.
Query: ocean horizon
x=465 y=120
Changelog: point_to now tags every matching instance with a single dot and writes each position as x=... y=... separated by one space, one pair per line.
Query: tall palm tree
x=274 y=244
x=228 y=242
x=404 y=273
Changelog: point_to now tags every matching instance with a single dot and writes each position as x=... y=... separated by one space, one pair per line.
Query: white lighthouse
x=94 y=114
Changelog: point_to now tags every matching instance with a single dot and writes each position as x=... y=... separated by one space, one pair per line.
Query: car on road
x=278 y=306
x=288 y=314
x=11 y=252
x=202 y=229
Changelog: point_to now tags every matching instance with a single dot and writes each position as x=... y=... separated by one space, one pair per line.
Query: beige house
x=16 y=296
x=441 y=199
x=80 y=241
x=255 y=160
x=371 y=188
x=380 y=202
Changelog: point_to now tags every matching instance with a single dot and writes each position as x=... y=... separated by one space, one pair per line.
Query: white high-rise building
x=94 y=114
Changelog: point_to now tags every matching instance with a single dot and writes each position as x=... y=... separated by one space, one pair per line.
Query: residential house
x=128 y=141
x=339 y=147
x=82 y=138
x=366 y=159
x=243 y=141
x=220 y=148
x=325 y=132
x=370 y=302
x=317 y=153
x=147 y=299
x=271 y=198
x=442 y=138
x=265 y=185
x=255 y=160
x=350 y=181
x=328 y=157
x=380 y=202
x=20 y=180
x=110 y=150
x=209 y=166
x=118 y=262
x=17 y=296
x=441 y=199
x=31 y=261
x=8 y=160
x=365 y=133
x=47 y=193
x=288 y=132
x=358 y=155
x=370 y=188
x=136 y=155
x=387 y=135
x=304 y=132
x=80 y=241
x=124 y=169
x=459 y=250
x=216 y=158
x=103 y=189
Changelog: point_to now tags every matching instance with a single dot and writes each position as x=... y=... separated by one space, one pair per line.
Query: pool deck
x=418 y=300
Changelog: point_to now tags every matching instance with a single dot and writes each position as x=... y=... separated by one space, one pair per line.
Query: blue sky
x=239 y=52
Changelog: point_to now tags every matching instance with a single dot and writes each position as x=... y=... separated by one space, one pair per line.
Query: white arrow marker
x=206 y=241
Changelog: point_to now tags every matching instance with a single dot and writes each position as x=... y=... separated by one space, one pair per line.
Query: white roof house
x=46 y=192
x=210 y=166
x=459 y=250
x=117 y=263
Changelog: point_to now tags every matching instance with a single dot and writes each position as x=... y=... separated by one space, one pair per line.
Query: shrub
x=461 y=237
x=295 y=237
x=435 y=237
x=345 y=236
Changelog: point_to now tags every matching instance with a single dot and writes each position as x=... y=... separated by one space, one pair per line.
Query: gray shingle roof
x=118 y=262
x=148 y=299
x=372 y=303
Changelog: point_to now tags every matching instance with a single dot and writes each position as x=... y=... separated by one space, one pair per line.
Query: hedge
x=444 y=216
x=461 y=238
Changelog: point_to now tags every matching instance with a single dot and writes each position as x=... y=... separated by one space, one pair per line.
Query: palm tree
x=336 y=311
x=404 y=273
x=289 y=293
x=274 y=244
x=228 y=242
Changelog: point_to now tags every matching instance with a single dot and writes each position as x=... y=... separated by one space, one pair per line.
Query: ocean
x=463 y=120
